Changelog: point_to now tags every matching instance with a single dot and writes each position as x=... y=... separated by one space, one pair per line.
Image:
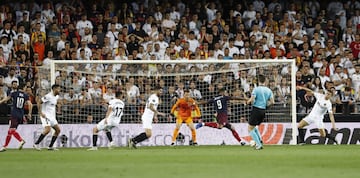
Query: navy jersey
x=220 y=103
x=18 y=99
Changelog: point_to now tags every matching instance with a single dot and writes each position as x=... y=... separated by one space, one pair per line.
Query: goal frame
x=291 y=62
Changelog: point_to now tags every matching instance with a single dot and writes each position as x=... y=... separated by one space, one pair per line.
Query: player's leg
x=190 y=124
x=147 y=125
x=100 y=126
x=108 y=128
x=43 y=134
x=47 y=128
x=13 y=125
x=55 y=135
x=254 y=120
x=208 y=124
x=323 y=132
x=233 y=131
x=178 y=124
x=301 y=136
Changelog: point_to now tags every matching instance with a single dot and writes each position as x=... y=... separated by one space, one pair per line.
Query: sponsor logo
x=270 y=133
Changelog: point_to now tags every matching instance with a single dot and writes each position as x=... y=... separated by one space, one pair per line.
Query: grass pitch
x=203 y=161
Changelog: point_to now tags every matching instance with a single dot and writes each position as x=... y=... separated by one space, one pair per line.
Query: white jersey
x=117 y=107
x=153 y=99
x=148 y=115
x=320 y=107
x=48 y=106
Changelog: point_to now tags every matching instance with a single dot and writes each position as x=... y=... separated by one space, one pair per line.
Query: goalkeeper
x=182 y=109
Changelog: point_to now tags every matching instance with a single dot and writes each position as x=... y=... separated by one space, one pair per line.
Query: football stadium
x=160 y=88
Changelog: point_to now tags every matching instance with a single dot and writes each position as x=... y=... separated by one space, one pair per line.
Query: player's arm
x=108 y=114
x=251 y=99
x=201 y=102
x=6 y=99
x=152 y=108
x=174 y=107
x=28 y=102
x=41 y=101
x=304 y=88
x=237 y=98
x=271 y=101
x=332 y=119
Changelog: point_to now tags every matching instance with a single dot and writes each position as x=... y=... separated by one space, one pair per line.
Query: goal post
x=99 y=79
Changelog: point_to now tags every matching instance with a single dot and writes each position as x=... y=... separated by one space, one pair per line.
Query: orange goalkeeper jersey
x=184 y=107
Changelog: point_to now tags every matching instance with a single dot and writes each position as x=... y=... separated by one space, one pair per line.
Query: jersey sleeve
x=210 y=101
x=253 y=93
x=111 y=103
x=175 y=105
x=153 y=100
x=317 y=95
x=329 y=107
x=271 y=94
x=45 y=99
x=26 y=97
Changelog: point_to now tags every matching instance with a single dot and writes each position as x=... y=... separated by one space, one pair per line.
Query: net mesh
x=87 y=87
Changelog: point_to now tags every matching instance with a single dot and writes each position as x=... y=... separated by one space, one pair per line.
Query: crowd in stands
x=322 y=36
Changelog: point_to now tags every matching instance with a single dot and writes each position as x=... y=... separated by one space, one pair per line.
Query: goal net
x=87 y=86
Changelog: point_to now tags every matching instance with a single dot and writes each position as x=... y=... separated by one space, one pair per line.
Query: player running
x=19 y=99
x=112 y=119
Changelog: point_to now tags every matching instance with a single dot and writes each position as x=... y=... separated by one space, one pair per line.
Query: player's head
x=262 y=79
x=329 y=94
x=222 y=91
x=118 y=94
x=56 y=89
x=186 y=93
x=158 y=90
x=14 y=84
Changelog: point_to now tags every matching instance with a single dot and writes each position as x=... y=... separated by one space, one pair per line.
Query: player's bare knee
x=46 y=130
x=148 y=135
x=57 y=131
x=322 y=133
x=95 y=130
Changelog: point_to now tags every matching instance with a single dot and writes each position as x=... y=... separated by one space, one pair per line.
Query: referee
x=261 y=98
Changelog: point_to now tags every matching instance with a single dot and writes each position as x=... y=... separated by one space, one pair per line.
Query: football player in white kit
x=316 y=115
x=111 y=120
x=47 y=111
x=149 y=113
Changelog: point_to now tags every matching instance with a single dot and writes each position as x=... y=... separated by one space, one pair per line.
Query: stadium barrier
x=80 y=135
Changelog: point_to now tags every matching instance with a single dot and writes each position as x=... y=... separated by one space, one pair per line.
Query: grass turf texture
x=185 y=161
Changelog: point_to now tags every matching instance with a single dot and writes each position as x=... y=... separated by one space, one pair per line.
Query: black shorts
x=14 y=122
x=257 y=116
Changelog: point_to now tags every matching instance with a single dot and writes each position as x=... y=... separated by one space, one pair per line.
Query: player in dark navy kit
x=220 y=103
x=19 y=99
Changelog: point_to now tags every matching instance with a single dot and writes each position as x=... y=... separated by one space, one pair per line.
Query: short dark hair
x=55 y=86
x=261 y=78
x=222 y=90
x=118 y=94
x=157 y=87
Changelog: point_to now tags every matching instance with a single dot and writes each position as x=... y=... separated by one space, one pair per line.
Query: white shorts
x=48 y=122
x=147 y=122
x=107 y=127
x=317 y=121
